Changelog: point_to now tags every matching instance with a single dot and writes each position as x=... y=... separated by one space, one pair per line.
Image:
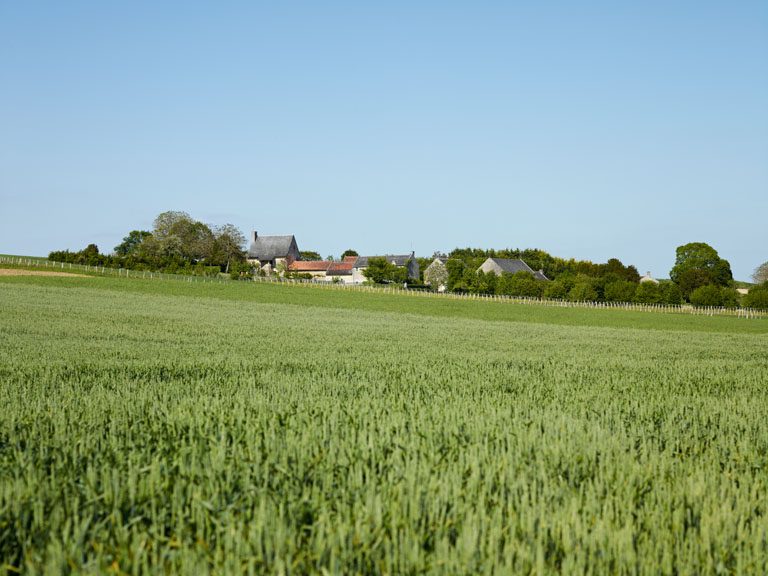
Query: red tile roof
x=309 y=266
x=351 y=259
x=340 y=267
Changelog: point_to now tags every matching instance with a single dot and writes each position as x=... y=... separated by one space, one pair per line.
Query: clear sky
x=588 y=129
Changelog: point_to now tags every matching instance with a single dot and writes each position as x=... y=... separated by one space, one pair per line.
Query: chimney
x=254 y=235
x=649 y=273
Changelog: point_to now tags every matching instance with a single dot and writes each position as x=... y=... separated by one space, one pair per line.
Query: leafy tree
x=757 y=297
x=380 y=271
x=692 y=279
x=310 y=255
x=670 y=293
x=131 y=243
x=348 y=253
x=648 y=293
x=436 y=275
x=486 y=283
x=701 y=256
x=760 y=274
x=583 y=289
x=229 y=244
x=620 y=291
x=456 y=269
x=560 y=287
x=709 y=295
x=520 y=284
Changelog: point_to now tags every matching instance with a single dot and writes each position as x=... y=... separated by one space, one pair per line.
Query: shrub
x=757 y=297
x=709 y=295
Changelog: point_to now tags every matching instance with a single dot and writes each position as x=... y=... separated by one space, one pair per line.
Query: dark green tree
x=349 y=252
x=310 y=255
x=709 y=295
x=692 y=279
x=648 y=293
x=620 y=291
x=701 y=256
x=130 y=244
x=379 y=270
x=757 y=297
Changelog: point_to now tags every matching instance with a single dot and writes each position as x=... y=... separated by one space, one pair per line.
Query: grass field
x=238 y=428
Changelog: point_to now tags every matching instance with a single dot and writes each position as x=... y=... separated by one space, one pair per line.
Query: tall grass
x=144 y=431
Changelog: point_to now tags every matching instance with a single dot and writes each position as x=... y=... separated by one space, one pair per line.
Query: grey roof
x=270 y=246
x=398 y=259
x=515 y=266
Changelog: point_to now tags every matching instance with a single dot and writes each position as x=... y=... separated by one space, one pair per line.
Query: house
x=272 y=249
x=407 y=261
x=342 y=271
x=648 y=278
x=437 y=269
x=316 y=268
x=501 y=265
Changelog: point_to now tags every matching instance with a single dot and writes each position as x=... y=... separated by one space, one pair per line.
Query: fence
x=396 y=289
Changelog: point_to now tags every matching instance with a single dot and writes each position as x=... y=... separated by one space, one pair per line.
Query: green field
x=162 y=426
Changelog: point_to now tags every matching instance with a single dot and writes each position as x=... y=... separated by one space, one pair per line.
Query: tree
x=520 y=284
x=583 y=289
x=757 y=297
x=709 y=295
x=229 y=244
x=701 y=256
x=648 y=293
x=310 y=255
x=436 y=275
x=131 y=243
x=348 y=253
x=620 y=291
x=455 y=270
x=670 y=293
x=380 y=271
x=760 y=274
x=692 y=279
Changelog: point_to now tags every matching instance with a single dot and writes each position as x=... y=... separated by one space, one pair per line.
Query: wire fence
x=393 y=289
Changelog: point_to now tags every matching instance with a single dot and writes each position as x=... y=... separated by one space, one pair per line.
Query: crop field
x=165 y=427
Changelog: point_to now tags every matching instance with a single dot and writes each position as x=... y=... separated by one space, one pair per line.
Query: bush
x=620 y=291
x=757 y=297
x=709 y=295
x=648 y=293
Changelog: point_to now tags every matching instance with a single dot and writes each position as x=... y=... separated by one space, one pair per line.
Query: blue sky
x=591 y=130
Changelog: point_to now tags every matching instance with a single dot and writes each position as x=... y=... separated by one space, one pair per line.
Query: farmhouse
x=316 y=268
x=272 y=249
x=501 y=265
x=648 y=278
x=407 y=261
x=438 y=270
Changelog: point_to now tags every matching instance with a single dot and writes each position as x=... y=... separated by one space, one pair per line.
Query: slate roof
x=515 y=266
x=309 y=266
x=341 y=268
x=270 y=246
x=398 y=259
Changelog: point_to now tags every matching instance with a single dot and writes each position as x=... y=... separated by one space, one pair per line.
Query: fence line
x=747 y=313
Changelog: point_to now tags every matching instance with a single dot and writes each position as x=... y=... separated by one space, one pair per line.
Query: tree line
x=177 y=244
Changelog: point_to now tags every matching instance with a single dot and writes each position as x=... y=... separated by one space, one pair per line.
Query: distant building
x=317 y=268
x=400 y=260
x=342 y=270
x=500 y=266
x=272 y=249
x=438 y=269
x=648 y=278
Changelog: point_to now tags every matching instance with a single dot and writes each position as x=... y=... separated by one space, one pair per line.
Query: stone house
x=501 y=265
x=407 y=261
x=272 y=249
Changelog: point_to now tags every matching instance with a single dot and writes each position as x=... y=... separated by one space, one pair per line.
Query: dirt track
x=16 y=272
